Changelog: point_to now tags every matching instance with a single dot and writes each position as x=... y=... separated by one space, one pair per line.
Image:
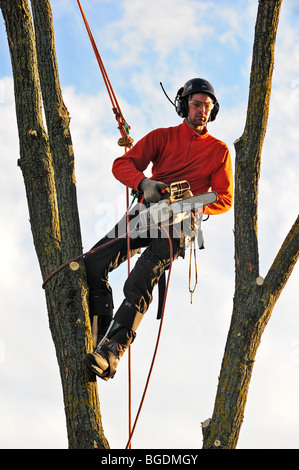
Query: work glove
x=152 y=189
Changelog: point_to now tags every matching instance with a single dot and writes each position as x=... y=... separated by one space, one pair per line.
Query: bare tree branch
x=284 y=262
x=249 y=145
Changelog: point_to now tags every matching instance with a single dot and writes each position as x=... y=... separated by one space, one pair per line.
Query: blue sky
x=141 y=44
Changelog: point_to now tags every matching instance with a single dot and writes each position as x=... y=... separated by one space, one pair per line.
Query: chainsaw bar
x=169 y=212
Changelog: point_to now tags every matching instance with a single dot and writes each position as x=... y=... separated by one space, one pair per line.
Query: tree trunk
x=254 y=297
x=47 y=164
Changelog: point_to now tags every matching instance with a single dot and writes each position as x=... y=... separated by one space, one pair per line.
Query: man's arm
x=129 y=168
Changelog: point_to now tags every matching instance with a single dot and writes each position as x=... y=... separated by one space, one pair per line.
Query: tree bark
x=254 y=297
x=58 y=119
x=47 y=164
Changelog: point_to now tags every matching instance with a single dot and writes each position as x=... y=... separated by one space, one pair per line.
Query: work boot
x=106 y=356
x=121 y=333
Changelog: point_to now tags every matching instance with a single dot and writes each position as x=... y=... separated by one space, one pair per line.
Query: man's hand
x=152 y=189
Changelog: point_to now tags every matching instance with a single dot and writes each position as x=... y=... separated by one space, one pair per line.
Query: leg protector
x=128 y=316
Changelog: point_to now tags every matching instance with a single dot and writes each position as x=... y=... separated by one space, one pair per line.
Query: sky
x=142 y=44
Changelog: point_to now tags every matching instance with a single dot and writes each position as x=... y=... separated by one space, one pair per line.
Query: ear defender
x=214 y=111
x=181 y=104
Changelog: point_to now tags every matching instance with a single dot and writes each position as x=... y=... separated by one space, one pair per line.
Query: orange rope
x=122 y=124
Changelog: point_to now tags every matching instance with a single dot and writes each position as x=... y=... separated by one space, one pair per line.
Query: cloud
x=158 y=26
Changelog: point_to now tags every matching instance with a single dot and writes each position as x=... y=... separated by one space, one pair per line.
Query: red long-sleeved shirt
x=179 y=153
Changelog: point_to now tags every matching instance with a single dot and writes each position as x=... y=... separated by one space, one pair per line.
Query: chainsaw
x=176 y=205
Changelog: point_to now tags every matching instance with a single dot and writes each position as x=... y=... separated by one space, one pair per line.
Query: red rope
x=122 y=124
x=93 y=250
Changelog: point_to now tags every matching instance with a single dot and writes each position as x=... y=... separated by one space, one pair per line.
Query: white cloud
x=157 y=25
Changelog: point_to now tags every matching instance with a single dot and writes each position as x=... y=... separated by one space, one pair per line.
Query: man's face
x=200 y=107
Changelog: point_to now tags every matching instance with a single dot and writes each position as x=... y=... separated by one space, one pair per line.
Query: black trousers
x=146 y=273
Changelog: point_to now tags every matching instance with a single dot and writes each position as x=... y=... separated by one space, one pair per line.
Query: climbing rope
x=123 y=126
x=72 y=263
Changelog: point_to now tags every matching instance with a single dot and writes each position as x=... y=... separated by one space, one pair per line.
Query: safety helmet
x=195 y=85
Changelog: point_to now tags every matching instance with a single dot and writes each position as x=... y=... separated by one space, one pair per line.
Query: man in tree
x=185 y=152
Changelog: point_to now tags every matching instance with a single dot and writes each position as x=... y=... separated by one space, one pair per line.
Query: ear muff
x=214 y=111
x=181 y=104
